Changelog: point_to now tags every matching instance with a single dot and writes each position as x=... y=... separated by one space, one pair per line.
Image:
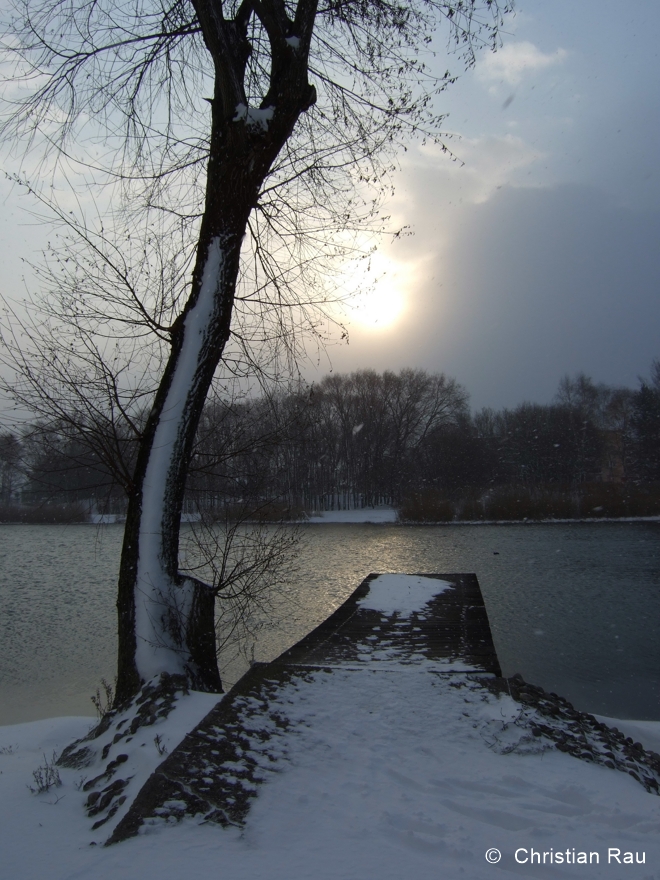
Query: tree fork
x=154 y=600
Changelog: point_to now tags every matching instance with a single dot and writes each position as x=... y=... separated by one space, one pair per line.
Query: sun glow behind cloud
x=378 y=308
x=375 y=292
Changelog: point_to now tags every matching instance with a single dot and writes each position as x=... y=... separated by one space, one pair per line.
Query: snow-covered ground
x=387 y=771
x=389 y=775
x=47 y=835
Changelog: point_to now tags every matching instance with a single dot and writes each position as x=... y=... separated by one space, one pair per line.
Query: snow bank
x=645 y=732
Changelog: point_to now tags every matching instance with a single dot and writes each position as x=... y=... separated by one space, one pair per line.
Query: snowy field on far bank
x=391 y=515
x=385 y=771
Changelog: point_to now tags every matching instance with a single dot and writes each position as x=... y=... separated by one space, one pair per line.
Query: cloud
x=541 y=282
x=510 y=63
x=522 y=289
x=481 y=167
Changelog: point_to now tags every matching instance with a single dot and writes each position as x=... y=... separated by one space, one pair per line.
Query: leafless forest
x=366 y=439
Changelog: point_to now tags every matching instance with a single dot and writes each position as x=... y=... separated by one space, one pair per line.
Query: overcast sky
x=539 y=255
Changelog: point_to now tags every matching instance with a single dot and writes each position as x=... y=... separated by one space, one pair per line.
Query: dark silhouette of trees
x=370 y=429
x=11 y=460
x=405 y=439
x=59 y=467
x=645 y=428
x=548 y=444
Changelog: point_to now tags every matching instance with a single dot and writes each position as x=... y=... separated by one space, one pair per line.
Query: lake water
x=574 y=608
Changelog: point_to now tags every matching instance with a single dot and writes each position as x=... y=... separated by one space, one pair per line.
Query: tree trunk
x=166 y=620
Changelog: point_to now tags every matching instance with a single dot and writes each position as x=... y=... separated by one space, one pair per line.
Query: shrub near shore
x=44 y=514
x=587 y=501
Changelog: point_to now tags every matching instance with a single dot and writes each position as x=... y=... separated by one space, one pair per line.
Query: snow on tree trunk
x=162 y=605
x=166 y=619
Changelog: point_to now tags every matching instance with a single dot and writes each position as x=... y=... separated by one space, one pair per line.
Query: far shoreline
x=331 y=517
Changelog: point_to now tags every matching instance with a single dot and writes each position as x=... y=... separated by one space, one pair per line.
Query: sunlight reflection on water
x=575 y=608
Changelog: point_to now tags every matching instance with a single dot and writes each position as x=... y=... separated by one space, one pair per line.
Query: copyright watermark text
x=570 y=856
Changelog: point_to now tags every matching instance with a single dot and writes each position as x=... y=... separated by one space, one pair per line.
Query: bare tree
x=11 y=455
x=367 y=428
x=208 y=119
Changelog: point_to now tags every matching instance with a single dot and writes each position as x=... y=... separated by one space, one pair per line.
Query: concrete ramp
x=452 y=626
x=421 y=624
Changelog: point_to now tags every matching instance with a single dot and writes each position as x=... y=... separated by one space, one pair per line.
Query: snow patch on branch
x=159 y=603
x=294 y=42
x=253 y=116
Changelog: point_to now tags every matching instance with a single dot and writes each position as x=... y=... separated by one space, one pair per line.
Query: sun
x=374 y=297
x=378 y=308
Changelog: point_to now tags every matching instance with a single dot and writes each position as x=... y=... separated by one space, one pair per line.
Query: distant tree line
x=407 y=439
